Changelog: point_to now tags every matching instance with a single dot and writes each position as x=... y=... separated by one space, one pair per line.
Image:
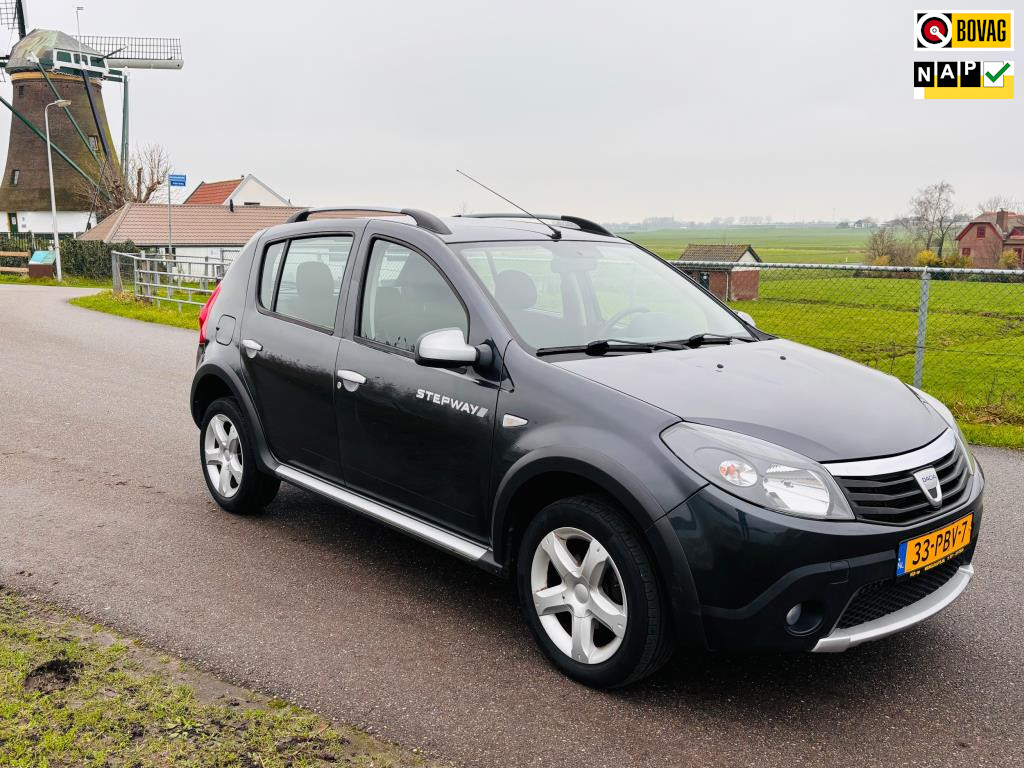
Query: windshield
x=564 y=293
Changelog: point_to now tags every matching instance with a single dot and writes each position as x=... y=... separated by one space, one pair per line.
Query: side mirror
x=446 y=348
x=746 y=318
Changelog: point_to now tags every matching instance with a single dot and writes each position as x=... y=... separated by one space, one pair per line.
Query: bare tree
x=999 y=203
x=888 y=246
x=146 y=171
x=934 y=215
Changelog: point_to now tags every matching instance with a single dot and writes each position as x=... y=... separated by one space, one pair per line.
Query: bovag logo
x=967 y=30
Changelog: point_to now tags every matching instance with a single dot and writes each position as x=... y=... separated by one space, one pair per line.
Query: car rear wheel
x=589 y=593
x=226 y=453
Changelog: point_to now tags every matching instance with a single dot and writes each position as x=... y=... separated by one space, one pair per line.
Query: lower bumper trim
x=897 y=621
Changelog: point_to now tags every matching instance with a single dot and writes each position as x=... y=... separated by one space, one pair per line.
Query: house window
x=966 y=251
x=15 y=177
x=981 y=231
x=21 y=90
x=94 y=143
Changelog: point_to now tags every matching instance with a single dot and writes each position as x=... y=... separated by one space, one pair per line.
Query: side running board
x=408 y=524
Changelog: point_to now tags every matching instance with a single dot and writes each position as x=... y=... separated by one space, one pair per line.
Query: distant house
x=734 y=280
x=245 y=191
x=985 y=238
x=204 y=231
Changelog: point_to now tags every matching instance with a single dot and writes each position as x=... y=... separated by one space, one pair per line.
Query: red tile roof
x=213 y=192
x=725 y=252
x=145 y=224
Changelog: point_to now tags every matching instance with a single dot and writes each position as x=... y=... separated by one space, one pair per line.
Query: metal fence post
x=115 y=272
x=922 y=327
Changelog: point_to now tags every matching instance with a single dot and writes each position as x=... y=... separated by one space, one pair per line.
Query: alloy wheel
x=578 y=595
x=222 y=452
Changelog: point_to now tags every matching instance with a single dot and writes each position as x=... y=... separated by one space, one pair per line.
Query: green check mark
x=998 y=74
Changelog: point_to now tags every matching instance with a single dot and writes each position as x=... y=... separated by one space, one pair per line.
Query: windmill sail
x=137 y=52
x=12 y=15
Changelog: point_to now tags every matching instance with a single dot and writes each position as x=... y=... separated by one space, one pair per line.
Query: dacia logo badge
x=928 y=479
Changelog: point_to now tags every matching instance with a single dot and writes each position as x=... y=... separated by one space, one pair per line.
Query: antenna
x=555 y=234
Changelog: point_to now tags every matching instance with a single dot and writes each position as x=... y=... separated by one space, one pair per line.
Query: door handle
x=350 y=380
x=251 y=347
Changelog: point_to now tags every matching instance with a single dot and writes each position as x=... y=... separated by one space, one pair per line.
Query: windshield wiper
x=600 y=347
x=700 y=339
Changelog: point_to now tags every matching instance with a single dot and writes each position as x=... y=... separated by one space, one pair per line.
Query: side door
x=413 y=436
x=289 y=347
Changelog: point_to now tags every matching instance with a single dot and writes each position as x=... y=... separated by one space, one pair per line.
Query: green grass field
x=802 y=245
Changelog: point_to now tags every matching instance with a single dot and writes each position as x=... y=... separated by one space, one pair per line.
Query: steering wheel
x=621 y=315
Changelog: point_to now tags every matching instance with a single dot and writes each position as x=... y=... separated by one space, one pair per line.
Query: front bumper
x=897 y=621
x=750 y=567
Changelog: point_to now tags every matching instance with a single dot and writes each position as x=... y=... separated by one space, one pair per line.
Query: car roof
x=462 y=229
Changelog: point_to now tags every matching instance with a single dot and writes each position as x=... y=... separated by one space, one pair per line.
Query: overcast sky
x=611 y=110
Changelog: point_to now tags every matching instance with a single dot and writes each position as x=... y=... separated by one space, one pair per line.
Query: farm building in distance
x=734 y=280
x=985 y=238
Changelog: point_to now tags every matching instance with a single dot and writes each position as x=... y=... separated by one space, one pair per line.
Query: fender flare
x=238 y=390
x=641 y=506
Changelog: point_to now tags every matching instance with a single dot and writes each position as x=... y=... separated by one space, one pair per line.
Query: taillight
x=204 y=313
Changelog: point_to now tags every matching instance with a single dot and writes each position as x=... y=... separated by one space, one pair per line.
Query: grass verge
x=126 y=305
x=68 y=282
x=78 y=695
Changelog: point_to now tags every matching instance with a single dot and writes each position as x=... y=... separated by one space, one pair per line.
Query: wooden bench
x=15 y=255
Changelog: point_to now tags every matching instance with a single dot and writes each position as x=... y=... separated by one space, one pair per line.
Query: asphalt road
x=103 y=510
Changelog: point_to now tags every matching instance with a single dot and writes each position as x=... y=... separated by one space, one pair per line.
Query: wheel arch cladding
x=537 y=480
x=212 y=381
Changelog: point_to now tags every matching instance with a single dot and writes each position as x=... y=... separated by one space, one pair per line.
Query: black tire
x=256 y=488
x=646 y=643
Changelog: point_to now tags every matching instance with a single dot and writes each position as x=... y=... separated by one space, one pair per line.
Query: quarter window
x=406 y=296
x=307 y=273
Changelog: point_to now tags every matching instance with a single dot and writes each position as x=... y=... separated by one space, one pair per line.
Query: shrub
x=927 y=258
x=90 y=258
x=1009 y=260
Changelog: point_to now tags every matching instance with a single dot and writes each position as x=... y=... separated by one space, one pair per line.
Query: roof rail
x=585 y=225
x=424 y=219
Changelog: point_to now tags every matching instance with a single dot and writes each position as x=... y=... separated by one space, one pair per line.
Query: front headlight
x=947 y=416
x=758 y=471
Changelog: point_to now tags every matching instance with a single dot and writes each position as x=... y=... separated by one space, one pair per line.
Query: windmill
x=45 y=66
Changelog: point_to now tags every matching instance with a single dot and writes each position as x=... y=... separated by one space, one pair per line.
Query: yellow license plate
x=933 y=548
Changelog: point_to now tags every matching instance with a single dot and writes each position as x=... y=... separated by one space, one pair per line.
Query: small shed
x=730 y=278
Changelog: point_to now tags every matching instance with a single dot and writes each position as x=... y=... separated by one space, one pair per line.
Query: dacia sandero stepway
x=558 y=405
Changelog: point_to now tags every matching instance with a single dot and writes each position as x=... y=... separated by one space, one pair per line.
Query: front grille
x=884 y=597
x=897 y=499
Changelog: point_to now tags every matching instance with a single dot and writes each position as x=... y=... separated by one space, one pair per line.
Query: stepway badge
x=973 y=30
x=963 y=79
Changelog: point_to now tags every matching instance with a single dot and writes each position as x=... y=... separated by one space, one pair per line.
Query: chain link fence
x=956 y=333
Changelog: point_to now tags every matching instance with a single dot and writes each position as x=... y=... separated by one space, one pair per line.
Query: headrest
x=514 y=290
x=314 y=278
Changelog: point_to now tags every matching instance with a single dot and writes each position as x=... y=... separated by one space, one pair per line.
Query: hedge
x=81 y=258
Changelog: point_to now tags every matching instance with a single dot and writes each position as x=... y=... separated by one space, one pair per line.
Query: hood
x=825 y=407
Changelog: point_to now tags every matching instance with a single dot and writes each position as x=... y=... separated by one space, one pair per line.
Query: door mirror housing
x=445 y=348
x=746 y=318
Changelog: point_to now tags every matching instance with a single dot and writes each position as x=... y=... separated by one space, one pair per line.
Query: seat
x=316 y=301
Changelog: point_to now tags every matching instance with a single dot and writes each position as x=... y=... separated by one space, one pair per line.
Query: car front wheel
x=589 y=593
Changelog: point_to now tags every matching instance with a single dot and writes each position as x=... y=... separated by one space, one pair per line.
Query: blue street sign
x=177 y=179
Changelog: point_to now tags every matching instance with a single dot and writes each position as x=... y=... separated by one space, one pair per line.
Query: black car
x=558 y=405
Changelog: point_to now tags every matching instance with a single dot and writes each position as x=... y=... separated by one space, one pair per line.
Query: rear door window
x=301 y=279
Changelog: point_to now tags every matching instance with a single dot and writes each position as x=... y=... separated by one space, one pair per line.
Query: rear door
x=413 y=436
x=289 y=347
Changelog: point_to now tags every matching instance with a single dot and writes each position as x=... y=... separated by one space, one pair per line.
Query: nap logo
x=963 y=79
x=975 y=30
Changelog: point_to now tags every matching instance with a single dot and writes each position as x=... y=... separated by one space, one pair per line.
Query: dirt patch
x=55 y=675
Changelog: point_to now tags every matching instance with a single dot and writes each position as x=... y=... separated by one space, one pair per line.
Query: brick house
x=734 y=280
x=985 y=238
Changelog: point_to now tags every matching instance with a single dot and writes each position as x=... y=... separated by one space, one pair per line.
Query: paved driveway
x=103 y=510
